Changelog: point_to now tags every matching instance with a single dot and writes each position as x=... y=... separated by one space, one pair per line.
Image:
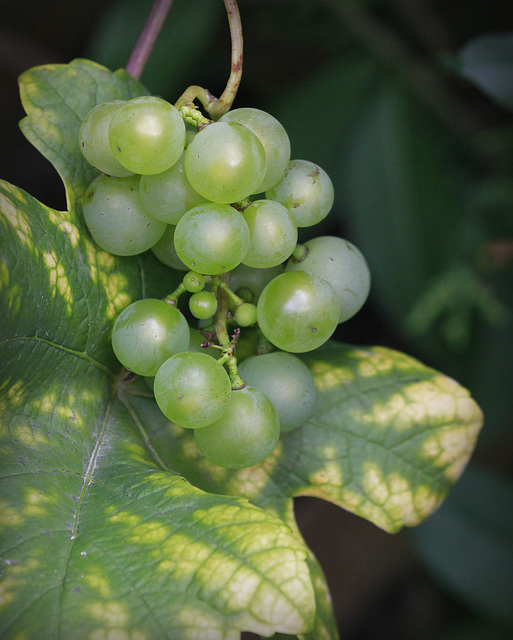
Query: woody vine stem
x=215 y=107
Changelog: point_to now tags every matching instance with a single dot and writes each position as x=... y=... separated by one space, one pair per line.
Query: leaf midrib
x=87 y=481
x=79 y=354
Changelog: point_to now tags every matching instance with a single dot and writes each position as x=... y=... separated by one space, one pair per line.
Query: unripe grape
x=192 y=389
x=298 y=311
x=246 y=314
x=306 y=190
x=147 y=135
x=273 y=137
x=244 y=435
x=94 y=139
x=225 y=162
x=272 y=234
x=286 y=381
x=168 y=195
x=211 y=238
x=116 y=218
x=194 y=282
x=203 y=305
x=148 y=332
x=342 y=265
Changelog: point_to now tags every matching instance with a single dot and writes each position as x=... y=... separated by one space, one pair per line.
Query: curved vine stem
x=148 y=36
x=232 y=86
x=216 y=107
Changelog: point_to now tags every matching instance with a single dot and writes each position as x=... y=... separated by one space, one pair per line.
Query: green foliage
x=474 y=523
x=111 y=521
x=487 y=61
x=176 y=54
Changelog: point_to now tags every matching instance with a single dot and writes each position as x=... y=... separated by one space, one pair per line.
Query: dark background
x=422 y=162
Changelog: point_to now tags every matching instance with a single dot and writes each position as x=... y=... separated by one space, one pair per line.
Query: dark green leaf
x=184 y=40
x=467 y=544
x=345 y=88
x=487 y=61
x=402 y=204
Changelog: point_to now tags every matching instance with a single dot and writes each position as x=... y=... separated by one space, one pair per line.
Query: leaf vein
x=74 y=352
x=85 y=486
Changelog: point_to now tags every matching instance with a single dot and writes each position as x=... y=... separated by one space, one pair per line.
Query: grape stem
x=233 y=297
x=217 y=107
x=147 y=38
x=173 y=297
x=235 y=379
x=222 y=333
x=222 y=313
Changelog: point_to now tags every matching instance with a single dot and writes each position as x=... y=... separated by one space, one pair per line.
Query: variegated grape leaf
x=100 y=537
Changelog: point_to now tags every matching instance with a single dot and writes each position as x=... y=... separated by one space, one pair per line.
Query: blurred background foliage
x=408 y=105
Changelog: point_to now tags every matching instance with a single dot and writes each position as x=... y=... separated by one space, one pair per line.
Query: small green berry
x=194 y=282
x=246 y=314
x=203 y=304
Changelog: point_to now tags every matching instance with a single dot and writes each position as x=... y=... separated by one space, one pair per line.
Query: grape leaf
x=99 y=536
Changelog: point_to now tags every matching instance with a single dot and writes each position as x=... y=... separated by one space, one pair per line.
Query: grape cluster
x=221 y=201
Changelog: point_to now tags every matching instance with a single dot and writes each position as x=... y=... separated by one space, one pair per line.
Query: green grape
x=272 y=234
x=246 y=314
x=165 y=250
x=298 y=311
x=147 y=333
x=225 y=162
x=203 y=304
x=192 y=389
x=248 y=282
x=147 y=135
x=342 y=265
x=212 y=238
x=168 y=195
x=273 y=137
x=286 y=381
x=244 y=435
x=116 y=218
x=93 y=139
x=194 y=282
x=306 y=190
